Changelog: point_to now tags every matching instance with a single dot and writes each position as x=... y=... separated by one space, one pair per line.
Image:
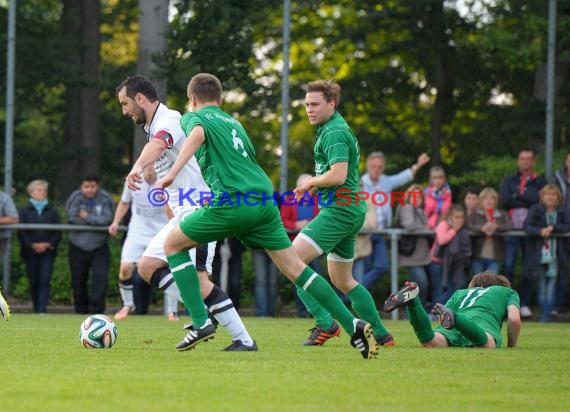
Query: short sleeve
x=513 y=298
x=336 y=147
x=127 y=196
x=189 y=121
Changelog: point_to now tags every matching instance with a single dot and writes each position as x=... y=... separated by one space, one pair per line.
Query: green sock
x=186 y=278
x=470 y=330
x=364 y=306
x=324 y=294
x=419 y=320
x=322 y=317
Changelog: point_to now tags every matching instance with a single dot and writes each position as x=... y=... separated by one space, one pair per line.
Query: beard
x=138 y=116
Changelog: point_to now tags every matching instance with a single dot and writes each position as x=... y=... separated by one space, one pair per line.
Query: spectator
x=266 y=283
x=374 y=180
x=437 y=196
x=450 y=255
x=546 y=257
x=89 y=250
x=411 y=217
x=8 y=216
x=518 y=193
x=39 y=247
x=488 y=250
x=295 y=216
x=471 y=201
x=562 y=178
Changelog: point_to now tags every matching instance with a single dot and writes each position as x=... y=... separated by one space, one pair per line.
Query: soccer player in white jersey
x=146 y=221
x=139 y=101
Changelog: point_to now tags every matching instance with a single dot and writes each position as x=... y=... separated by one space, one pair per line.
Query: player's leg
x=126 y=289
x=220 y=306
x=176 y=247
x=407 y=297
x=467 y=327
x=289 y=264
x=4 y=308
x=325 y=326
x=340 y=271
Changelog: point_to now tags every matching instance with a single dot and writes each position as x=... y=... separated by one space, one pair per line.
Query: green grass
x=45 y=368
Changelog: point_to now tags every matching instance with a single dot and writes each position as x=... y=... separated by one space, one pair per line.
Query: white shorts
x=134 y=247
x=155 y=249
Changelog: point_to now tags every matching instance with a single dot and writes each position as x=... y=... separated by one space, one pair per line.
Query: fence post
x=394 y=235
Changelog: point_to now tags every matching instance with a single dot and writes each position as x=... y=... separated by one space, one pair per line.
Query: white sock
x=127 y=294
x=229 y=319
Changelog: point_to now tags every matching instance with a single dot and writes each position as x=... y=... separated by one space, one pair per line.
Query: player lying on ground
x=471 y=317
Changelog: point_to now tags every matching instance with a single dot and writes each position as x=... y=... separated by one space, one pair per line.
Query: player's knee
x=490 y=342
x=145 y=269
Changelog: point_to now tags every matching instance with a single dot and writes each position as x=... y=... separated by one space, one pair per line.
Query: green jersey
x=227 y=158
x=335 y=142
x=485 y=306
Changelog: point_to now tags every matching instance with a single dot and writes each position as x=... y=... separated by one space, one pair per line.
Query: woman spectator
x=450 y=255
x=411 y=217
x=546 y=257
x=437 y=196
x=38 y=247
x=488 y=250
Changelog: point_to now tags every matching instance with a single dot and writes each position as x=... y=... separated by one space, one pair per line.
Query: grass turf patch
x=45 y=368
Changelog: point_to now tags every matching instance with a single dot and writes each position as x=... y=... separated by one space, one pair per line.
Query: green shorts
x=456 y=339
x=334 y=230
x=257 y=226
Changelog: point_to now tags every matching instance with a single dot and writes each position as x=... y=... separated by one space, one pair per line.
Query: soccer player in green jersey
x=472 y=317
x=241 y=205
x=333 y=231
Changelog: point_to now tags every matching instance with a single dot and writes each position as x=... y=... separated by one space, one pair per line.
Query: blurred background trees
x=462 y=80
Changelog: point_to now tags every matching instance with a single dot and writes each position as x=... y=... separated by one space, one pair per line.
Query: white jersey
x=190 y=177
x=146 y=219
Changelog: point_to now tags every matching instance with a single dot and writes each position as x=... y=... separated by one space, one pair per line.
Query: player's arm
x=513 y=325
x=151 y=151
x=191 y=144
x=120 y=212
x=335 y=176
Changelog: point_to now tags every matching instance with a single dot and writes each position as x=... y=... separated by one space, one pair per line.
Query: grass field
x=45 y=368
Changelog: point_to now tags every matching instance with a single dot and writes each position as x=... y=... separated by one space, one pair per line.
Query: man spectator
x=89 y=250
x=518 y=193
x=8 y=216
x=562 y=179
x=374 y=180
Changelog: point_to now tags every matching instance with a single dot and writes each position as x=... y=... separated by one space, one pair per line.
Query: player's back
x=227 y=157
x=486 y=306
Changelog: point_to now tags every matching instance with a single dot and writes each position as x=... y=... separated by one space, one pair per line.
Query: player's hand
x=301 y=190
x=164 y=182
x=134 y=178
x=113 y=229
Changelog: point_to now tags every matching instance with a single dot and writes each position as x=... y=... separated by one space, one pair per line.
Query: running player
x=139 y=101
x=333 y=231
x=472 y=317
x=146 y=221
x=242 y=206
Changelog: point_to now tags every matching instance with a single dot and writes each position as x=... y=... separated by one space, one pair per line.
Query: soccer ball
x=98 y=331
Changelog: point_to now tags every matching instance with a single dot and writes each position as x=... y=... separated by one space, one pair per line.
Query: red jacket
x=289 y=215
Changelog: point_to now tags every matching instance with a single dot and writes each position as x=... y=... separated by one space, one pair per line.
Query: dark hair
x=471 y=189
x=205 y=87
x=329 y=88
x=488 y=278
x=526 y=149
x=138 y=84
x=90 y=178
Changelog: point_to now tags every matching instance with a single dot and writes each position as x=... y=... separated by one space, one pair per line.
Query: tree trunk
x=153 y=23
x=80 y=154
x=70 y=148
x=89 y=116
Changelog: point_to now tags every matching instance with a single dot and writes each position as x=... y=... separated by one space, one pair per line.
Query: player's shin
x=186 y=277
